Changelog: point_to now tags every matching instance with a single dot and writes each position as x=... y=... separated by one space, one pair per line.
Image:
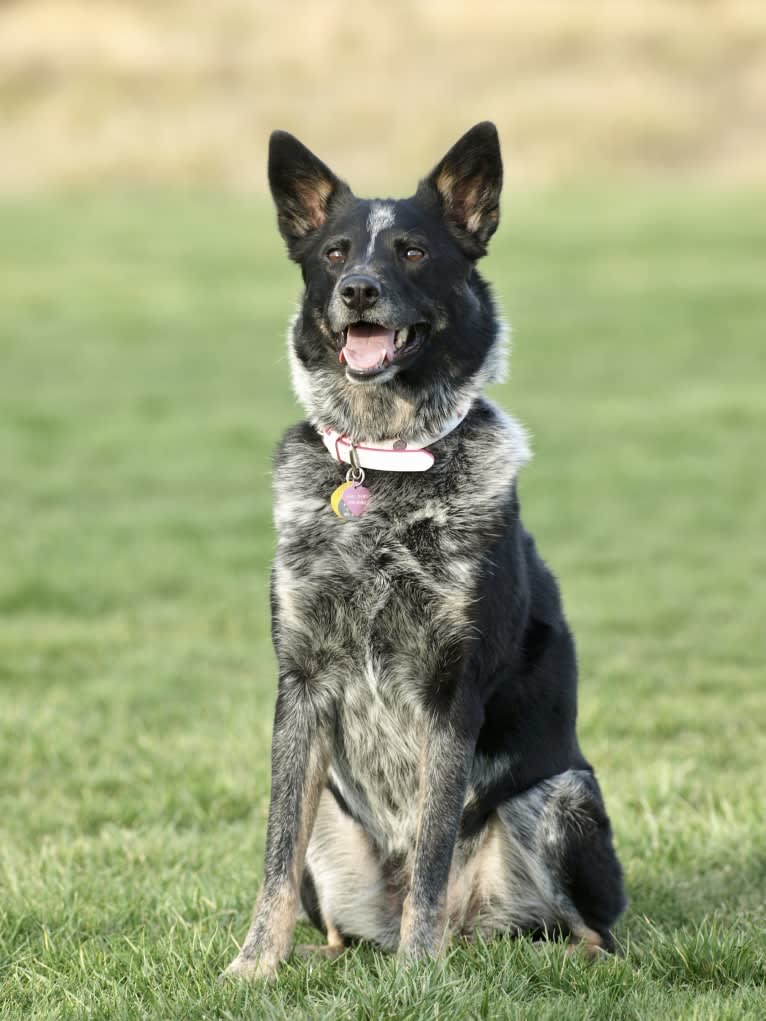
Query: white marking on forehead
x=380 y=217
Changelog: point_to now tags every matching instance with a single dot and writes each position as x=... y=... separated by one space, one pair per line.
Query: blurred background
x=185 y=92
x=144 y=295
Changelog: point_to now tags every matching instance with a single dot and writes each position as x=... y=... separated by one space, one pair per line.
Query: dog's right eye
x=335 y=256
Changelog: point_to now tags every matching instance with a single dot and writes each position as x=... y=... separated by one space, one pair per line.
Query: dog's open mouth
x=369 y=349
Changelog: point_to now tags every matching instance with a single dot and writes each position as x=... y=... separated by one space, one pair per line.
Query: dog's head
x=396 y=326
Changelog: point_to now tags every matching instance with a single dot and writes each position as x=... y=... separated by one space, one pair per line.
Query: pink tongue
x=368 y=346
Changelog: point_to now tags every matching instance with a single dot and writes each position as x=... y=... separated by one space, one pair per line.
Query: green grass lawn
x=143 y=384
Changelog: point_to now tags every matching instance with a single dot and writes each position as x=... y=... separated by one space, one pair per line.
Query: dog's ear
x=304 y=189
x=467 y=184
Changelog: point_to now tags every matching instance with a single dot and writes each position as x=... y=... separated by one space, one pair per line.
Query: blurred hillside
x=99 y=92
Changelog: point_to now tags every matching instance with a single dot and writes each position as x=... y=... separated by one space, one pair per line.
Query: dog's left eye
x=335 y=256
x=414 y=254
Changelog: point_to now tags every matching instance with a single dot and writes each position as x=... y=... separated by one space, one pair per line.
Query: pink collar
x=389 y=455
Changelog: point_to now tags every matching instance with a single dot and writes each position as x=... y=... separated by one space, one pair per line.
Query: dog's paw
x=587 y=944
x=414 y=952
x=422 y=945
x=325 y=951
x=251 y=969
x=423 y=933
x=419 y=951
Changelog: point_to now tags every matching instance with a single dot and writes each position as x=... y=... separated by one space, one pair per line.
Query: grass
x=143 y=384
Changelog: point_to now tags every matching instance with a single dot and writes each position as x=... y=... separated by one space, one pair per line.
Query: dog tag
x=350 y=500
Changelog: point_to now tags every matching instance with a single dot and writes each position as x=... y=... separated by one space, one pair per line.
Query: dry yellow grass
x=186 y=93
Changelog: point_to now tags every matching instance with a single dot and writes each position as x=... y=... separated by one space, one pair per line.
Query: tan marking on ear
x=463 y=201
x=445 y=184
x=313 y=195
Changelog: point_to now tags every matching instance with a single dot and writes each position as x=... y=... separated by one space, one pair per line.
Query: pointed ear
x=467 y=184
x=303 y=188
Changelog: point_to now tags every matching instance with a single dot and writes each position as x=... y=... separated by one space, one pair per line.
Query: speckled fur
x=426 y=775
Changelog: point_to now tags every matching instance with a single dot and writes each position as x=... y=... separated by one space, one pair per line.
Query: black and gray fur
x=426 y=774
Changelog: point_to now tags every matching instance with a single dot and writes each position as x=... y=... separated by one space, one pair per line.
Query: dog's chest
x=379 y=736
x=381 y=722
x=373 y=608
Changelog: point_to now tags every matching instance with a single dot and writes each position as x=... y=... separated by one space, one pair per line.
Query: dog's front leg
x=447 y=755
x=300 y=754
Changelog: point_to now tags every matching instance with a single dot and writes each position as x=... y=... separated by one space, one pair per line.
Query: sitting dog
x=426 y=773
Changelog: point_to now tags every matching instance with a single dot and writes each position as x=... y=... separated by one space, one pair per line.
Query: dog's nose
x=359 y=292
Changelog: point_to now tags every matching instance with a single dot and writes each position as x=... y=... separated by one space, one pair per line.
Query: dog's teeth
x=401 y=337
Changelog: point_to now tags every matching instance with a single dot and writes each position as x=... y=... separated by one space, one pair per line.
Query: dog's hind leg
x=544 y=864
x=575 y=839
x=561 y=832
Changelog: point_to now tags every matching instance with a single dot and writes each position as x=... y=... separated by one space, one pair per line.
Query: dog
x=426 y=774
